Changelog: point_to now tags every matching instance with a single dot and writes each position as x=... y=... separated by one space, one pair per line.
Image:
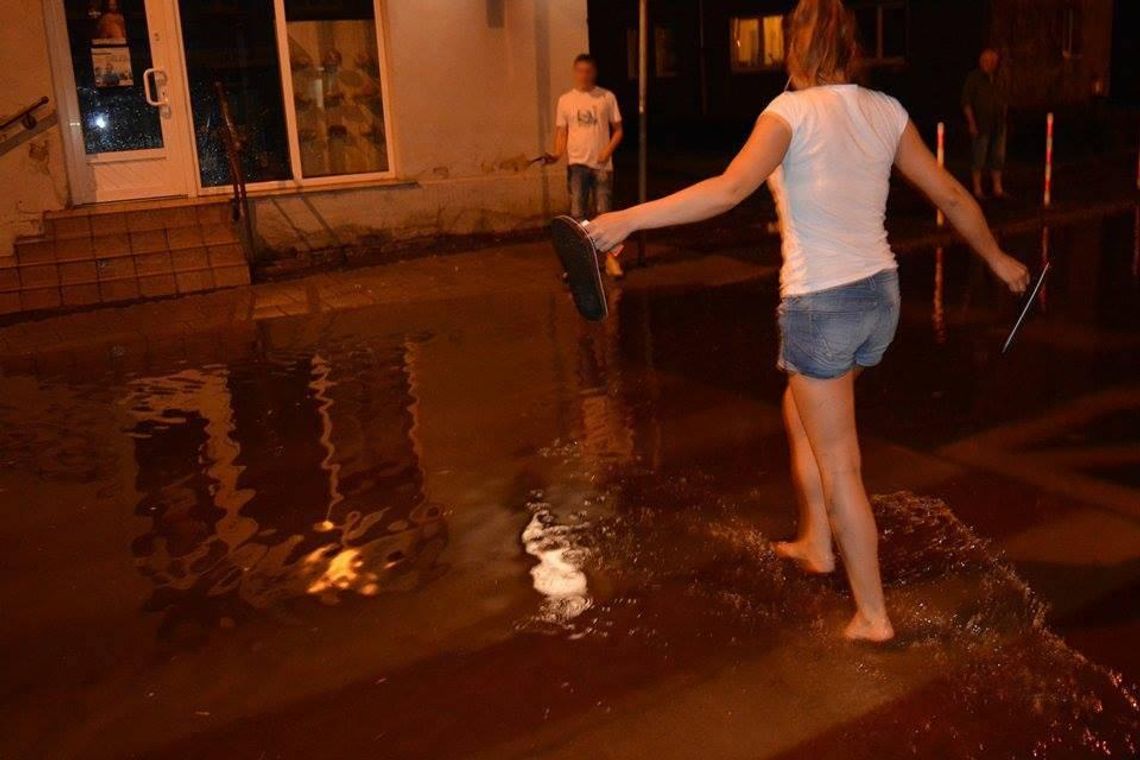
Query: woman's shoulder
x=879 y=95
x=884 y=101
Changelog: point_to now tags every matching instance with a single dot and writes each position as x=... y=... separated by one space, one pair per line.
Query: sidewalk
x=136 y=329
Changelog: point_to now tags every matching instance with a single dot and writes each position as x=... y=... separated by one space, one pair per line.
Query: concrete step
x=114 y=253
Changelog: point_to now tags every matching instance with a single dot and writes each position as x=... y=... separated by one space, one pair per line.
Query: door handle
x=150 y=78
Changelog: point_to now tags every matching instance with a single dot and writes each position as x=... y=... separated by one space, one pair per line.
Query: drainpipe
x=642 y=131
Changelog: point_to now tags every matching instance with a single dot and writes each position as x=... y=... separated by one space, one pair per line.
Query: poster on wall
x=110 y=24
x=112 y=66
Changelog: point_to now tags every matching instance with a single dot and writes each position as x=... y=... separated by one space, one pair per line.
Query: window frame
x=632 y=35
x=876 y=57
x=734 y=67
x=299 y=181
x=670 y=31
x=1072 y=29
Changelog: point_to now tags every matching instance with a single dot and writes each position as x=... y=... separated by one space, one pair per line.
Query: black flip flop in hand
x=579 y=257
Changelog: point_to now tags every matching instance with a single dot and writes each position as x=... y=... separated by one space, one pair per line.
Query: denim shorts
x=828 y=333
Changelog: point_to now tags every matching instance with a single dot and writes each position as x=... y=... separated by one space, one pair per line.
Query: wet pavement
x=423 y=510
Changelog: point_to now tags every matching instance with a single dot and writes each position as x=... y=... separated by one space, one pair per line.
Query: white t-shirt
x=831 y=190
x=587 y=117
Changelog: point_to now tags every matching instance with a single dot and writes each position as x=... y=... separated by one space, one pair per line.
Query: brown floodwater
x=484 y=528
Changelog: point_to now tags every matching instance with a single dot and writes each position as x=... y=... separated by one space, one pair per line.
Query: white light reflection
x=558 y=576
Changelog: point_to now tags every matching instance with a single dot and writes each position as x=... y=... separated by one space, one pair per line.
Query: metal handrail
x=25 y=115
x=234 y=145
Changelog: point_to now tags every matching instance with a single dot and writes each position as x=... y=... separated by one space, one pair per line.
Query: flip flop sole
x=579 y=260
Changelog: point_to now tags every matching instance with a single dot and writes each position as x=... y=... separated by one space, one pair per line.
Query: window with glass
x=664 y=52
x=304 y=81
x=664 y=62
x=757 y=43
x=110 y=50
x=234 y=43
x=883 y=31
x=631 y=52
x=334 y=59
x=1071 y=32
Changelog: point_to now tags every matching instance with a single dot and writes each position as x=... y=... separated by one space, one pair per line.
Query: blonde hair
x=823 y=46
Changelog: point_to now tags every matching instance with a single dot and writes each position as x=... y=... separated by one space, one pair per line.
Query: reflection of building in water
x=286 y=477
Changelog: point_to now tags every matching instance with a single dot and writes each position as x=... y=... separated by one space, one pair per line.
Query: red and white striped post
x=1049 y=160
x=942 y=162
x=1043 y=295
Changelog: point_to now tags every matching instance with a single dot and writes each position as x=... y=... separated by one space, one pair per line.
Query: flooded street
x=465 y=523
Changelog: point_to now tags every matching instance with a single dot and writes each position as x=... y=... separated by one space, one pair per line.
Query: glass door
x=127 y=126
x=306 y=85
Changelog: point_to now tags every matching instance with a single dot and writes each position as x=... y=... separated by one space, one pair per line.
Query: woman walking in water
x=827 y=150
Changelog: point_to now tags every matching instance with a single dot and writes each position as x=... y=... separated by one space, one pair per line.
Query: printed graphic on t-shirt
x=587 y=117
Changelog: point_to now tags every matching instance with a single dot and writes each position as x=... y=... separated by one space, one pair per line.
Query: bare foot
x=863 y=629
x=808 y=557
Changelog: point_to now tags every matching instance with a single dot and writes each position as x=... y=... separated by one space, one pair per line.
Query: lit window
x=337 y=91
x=757 y=43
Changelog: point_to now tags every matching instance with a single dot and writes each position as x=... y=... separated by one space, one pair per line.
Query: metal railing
x=234 y=145
x=25 y=116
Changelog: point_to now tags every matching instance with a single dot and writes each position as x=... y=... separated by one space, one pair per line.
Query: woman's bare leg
x=827 y=410
x=812 y=547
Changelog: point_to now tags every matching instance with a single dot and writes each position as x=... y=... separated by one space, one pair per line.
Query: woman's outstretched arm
x=759 y=157
x=918 y=165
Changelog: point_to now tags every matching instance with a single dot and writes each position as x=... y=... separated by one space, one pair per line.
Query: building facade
x=360 y=121
x=714 y=64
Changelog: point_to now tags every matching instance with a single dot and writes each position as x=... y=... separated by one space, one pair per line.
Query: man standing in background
x=588 y=131
x=985 y=107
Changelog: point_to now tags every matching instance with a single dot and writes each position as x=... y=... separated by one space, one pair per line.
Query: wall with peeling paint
x=32 y=173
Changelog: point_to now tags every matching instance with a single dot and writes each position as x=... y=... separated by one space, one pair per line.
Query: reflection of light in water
x=1136 y=242
x=1043 y=297
x=342 y=573
x=558 y=575
x=321 y=386
x=939 y=316
x=363 y=551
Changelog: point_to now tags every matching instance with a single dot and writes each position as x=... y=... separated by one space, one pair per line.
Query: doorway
x=140 y=82
x=119 y=84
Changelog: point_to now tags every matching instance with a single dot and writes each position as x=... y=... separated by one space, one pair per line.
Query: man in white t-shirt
x=588 y=131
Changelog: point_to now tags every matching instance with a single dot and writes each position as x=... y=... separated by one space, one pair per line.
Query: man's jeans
x=989 y=150
x=585 y=182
